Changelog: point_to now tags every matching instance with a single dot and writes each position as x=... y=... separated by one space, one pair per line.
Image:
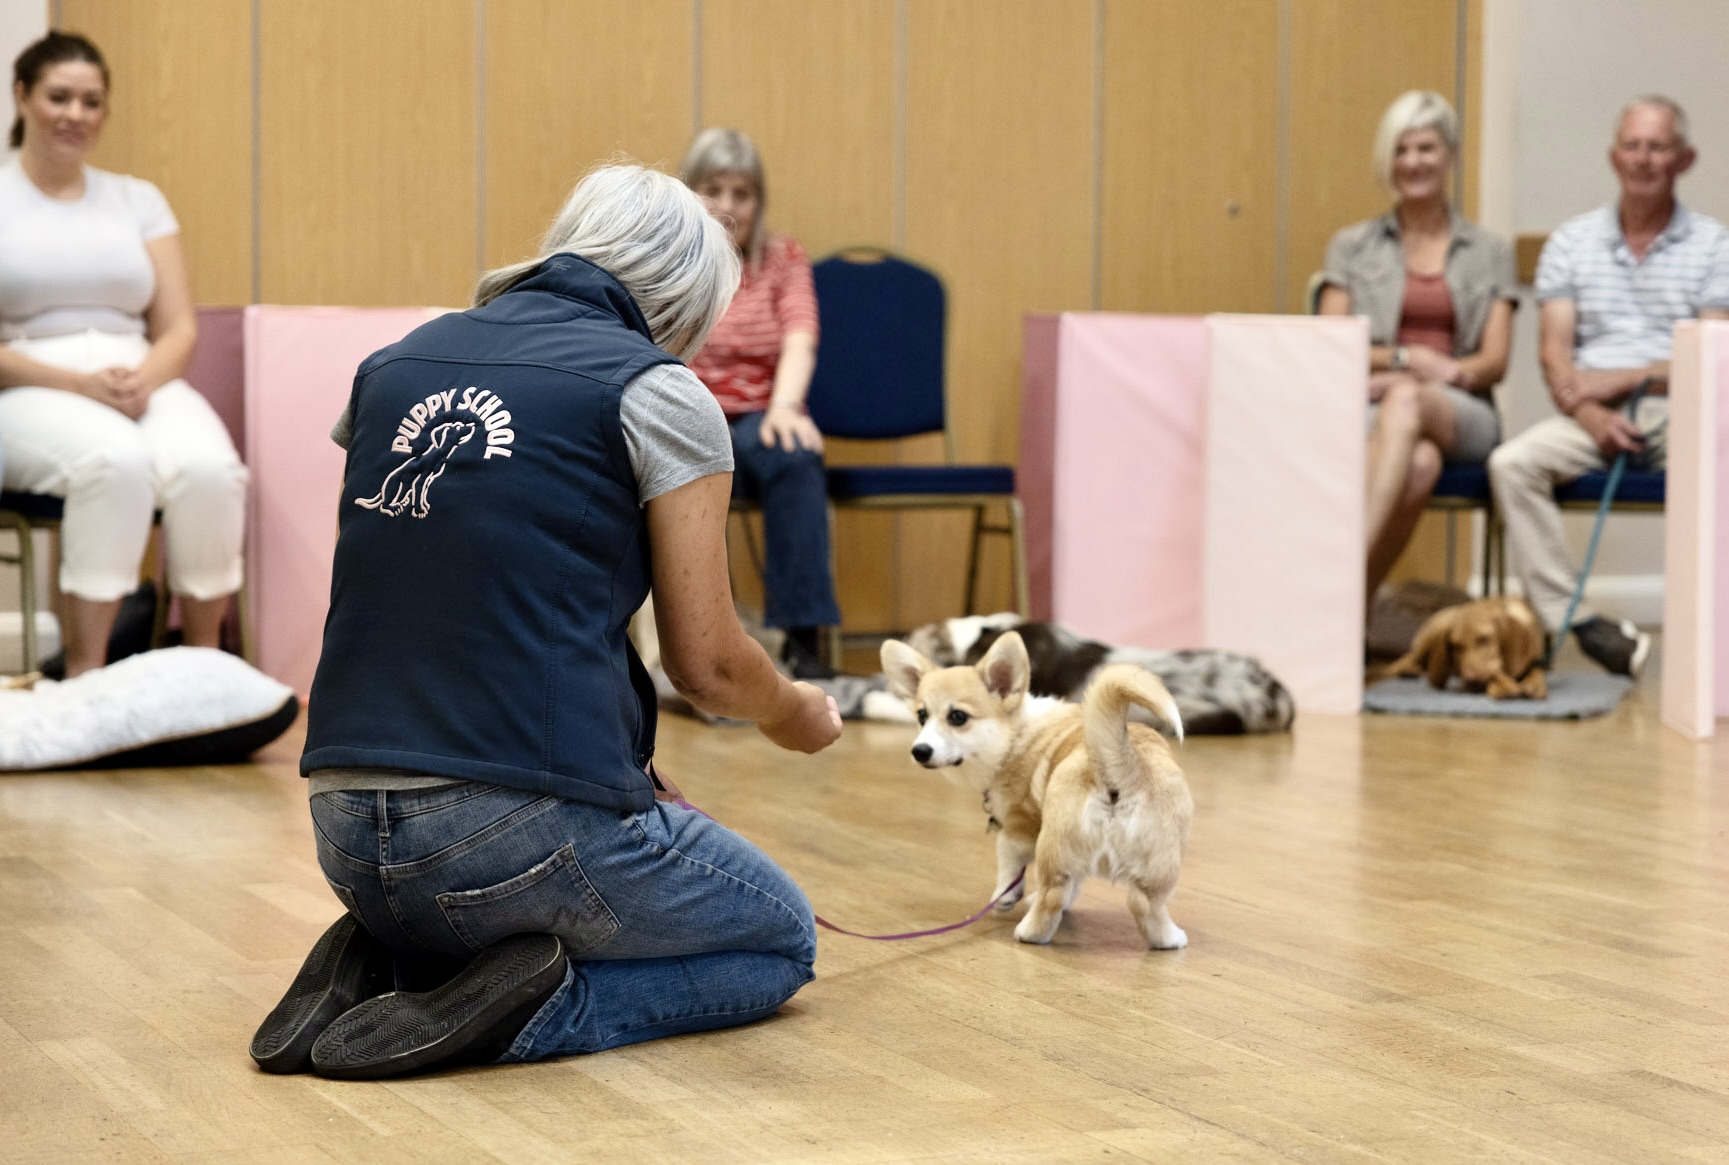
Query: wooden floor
x=1411 y=941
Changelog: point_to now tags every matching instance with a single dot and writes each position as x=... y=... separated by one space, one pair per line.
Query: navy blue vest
x=491 y=551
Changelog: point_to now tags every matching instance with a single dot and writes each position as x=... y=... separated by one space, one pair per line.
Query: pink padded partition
x=1111 y=473
x=1696 y=533
x=1198 y=482
x=1284 y=501
x=300 y=364
x=218 y=367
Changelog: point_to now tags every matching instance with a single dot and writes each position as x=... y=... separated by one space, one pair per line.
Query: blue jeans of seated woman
x=792 y=489
x=672 y=923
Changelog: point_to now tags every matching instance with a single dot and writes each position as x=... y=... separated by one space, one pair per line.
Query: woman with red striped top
x=758 y=363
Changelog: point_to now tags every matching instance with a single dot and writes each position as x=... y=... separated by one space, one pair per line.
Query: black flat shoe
x=472 y=1019
x=346 y=966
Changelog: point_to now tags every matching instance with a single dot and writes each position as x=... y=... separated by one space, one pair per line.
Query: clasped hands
x=1428 y=366
x=121 y=389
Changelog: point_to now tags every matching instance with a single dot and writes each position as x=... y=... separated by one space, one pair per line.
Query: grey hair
x=1677 y=115
x=649 y=232
x=717 y=150
x=1415 y=109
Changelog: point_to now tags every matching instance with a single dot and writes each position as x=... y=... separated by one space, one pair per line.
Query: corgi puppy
x=1073 y=789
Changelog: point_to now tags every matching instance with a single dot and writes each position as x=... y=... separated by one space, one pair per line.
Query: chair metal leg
x=1018 y=551
x=1452 y=545
x=1016 y=531
x=26 y=560
x=973 y=560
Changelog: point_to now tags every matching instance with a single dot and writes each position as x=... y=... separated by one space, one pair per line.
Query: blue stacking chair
x=1462 y=489
x=881 y=375
x=1640 y=490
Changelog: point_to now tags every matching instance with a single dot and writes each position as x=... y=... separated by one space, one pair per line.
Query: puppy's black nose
x=922 y=753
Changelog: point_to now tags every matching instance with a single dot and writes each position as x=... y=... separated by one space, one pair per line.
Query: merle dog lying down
x=1218 y=692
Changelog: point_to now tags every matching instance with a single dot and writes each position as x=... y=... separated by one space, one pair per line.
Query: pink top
x=1427 y=319
x=739 y=360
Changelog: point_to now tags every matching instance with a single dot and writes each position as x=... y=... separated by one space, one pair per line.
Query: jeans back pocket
x=554 y=897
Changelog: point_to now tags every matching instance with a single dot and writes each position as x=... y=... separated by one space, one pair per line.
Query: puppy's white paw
x=1033 y=929
x=1008 y=900
x=1171 y=938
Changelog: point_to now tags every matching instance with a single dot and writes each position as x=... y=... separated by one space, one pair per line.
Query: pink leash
x=889 y=938
x=666 y=791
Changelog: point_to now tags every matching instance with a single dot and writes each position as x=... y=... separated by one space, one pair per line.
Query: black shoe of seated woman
x=346 y=966
x=471 y=1019
x=802 y=657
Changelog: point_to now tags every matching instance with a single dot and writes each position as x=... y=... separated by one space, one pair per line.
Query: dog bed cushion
x=177 y=706
x=1572 y=696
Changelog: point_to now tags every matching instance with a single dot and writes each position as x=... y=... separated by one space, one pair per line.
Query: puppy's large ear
x=1005 y=668
x=1433 y=649
x=1521 y=641
x=904 y=668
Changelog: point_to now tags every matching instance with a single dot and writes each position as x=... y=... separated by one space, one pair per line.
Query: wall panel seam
x=479 y=137
x=1098 y=225
x=1282 y=166
x=898 y=164
x=695 y=67
x=257 y=292
x=1461 y=98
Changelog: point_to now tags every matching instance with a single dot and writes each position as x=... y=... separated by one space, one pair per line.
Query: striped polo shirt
x=738 y=361
x=1627 y=308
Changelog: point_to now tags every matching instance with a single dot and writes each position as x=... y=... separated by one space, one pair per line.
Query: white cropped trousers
x=114 y=472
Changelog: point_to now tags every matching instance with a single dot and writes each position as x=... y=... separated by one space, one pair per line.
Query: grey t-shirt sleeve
x=342 y=432
x=674 y=430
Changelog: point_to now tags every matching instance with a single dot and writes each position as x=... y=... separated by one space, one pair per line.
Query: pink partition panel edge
x=218 y=367
x=1718 y=483
x=1035 y=472
x=1126 y=545
x=1284 y=501
x=1696 y=533
x=300 y=364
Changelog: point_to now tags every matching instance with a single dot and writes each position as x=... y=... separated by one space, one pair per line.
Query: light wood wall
x=1043 y=155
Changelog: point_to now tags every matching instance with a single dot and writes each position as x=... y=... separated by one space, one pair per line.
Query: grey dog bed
x=1572 y=696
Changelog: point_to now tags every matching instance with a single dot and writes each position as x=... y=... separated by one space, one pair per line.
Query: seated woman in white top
x=96 y=325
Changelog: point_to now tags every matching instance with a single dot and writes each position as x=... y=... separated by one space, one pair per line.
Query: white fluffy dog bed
x=177 y=706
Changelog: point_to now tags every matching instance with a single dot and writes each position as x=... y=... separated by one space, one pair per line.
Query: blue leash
x=1616 y=471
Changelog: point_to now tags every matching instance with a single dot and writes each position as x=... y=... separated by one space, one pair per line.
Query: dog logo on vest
x=409 y=483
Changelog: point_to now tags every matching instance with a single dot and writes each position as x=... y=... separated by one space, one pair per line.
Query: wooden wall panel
x=182 y=117
x=1349 y=59
x=999 y=195
x=823 y=115
x=569 y=85
x=1190 y=167
x=368 y=179
x=824 y=119
x=1471 y=145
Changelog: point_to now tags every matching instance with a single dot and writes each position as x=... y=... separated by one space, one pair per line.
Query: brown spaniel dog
x=1492 y=645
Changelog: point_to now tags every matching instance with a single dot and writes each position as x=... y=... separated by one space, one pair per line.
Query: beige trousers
x=1524 y=473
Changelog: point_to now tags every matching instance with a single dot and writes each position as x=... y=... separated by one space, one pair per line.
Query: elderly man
x=1612 y=284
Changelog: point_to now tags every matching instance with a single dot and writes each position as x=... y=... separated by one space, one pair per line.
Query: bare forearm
x=17 y=369
x=793 y=371
x=728 y=674
x=169 y=354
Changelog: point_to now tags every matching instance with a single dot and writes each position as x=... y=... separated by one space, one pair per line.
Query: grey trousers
x=1524 y=473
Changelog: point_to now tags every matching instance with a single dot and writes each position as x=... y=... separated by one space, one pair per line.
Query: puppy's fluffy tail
x=1105 y=712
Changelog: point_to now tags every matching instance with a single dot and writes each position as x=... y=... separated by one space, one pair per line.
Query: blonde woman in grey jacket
x=1439 y=293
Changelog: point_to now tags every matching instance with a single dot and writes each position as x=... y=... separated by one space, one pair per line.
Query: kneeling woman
x=480 y=728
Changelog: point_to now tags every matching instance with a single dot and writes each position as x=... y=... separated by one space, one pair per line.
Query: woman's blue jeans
x=792 y=489
x=672 y=923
